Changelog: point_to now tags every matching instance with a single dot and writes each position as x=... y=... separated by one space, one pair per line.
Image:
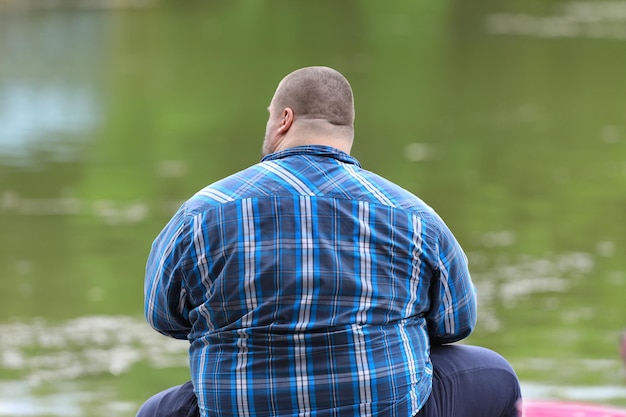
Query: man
x=308 y=286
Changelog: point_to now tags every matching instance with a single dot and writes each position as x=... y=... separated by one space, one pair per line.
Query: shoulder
x=391 y=193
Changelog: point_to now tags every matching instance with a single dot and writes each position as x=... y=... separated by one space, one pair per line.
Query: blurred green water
x=509 y=119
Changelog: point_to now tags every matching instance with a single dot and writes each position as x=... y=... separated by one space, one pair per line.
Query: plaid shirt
x=308 y=286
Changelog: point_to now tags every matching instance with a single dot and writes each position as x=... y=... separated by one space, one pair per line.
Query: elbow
x=450 y=331
x=445 y=338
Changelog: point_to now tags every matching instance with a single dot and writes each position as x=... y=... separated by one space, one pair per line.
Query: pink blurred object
x=541 y=408
x=568 y=409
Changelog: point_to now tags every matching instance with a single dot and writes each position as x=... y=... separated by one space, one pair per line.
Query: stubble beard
x=265 y=148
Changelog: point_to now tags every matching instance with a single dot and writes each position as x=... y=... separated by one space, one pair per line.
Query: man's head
x=311 y=106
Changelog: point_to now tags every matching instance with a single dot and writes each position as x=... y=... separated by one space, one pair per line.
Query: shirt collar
x=318 y=150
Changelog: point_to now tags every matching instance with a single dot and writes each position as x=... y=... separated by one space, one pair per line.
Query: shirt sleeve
x=452 y=314
x=165 y=305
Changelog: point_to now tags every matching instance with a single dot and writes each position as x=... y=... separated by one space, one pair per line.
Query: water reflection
x=600 y=394
x=25 y=5
x=48 y=352
x=50 y=80
x=514 y=281
x=45 y=117
x=110 y=212
x=576 y=19
x=19 y=399
x=53 y=357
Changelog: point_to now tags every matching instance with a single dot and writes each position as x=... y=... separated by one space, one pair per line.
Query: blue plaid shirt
x=308 y=286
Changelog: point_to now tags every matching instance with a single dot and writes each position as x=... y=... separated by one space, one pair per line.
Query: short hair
x=317 y=93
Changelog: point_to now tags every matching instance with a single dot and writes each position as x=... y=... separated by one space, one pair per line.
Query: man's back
x=308 y=286
x=306 y=289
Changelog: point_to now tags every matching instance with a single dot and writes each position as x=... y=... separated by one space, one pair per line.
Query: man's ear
x=286 y=121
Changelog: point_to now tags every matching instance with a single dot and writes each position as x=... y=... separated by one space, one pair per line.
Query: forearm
x=452 y=315
x=453 y=321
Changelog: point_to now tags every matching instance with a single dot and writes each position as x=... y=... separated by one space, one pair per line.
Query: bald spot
x=318 y=93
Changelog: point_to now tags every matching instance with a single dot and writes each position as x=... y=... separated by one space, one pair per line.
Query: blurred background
x=509 y=118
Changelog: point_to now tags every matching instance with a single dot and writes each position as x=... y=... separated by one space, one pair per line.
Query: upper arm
x=164 y=286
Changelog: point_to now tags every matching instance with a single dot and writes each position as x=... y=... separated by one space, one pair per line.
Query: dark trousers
x=468 y=381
